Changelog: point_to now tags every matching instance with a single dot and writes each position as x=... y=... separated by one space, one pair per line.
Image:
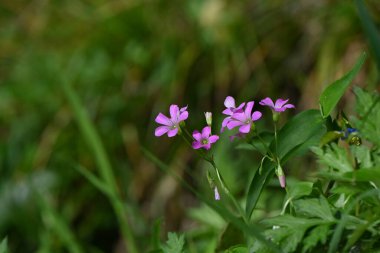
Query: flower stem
x=228 y=192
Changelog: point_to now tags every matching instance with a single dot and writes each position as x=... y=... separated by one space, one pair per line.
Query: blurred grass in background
x=127 y=61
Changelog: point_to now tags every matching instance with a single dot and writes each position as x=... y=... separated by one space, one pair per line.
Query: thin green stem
x=268 y=150
x=228 y=192
x=204 y=155
x=275 y=138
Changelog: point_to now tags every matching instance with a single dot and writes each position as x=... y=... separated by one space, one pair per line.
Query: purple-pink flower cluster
x=241 y=117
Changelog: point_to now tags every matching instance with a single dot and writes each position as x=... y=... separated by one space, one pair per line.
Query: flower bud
x=281 y=176
x=216 y=192
x=208 y=116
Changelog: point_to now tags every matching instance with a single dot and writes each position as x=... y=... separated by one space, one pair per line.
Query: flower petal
x=248 y=108
x=287 y=106
x=234 y=123
x=256 y=115
x=239 y=108
x=196 y=144
x=267 y=102
x=207 y=146
x=163 y=120
x=280 y=102
x=245 y=128
x=183 y=109
x=206 y=131
x=183 y=116
x=229 y=102
x=239 y=117
x=225 y=121
x=161 y=130
x=197 y=135
x=227 y=111
x=173 y=132
x=213 y=138
x=174 y=113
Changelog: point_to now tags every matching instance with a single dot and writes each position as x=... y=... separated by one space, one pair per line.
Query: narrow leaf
x=369 y=29
x=4 y=245
x=332 y=94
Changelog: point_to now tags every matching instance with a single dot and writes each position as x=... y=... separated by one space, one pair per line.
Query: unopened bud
x=208 y=116
x=281 y=176
x=216 y=193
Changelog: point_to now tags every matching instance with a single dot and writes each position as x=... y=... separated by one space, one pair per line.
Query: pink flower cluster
x=240 y=117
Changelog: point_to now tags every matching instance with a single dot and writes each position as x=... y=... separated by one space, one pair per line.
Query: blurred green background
x=127 y=61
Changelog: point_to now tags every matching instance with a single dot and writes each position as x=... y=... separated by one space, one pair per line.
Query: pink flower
x=204 y=140
x=171 y=126
x=231 y=108
x=244 y=120
x=279 y=106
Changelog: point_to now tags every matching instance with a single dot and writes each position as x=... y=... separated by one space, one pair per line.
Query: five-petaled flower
x=231 y=108
x=279 y=106
x=204 y=140
x=244 y=120
x=171 y=126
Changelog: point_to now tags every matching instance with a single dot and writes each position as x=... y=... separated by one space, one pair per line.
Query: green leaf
x=237 y=249
x=4 y=245
x=288 y=230
x=300 y=133
x=332 y=94
x=365 y=175
x=231 y=236
x=251 y=229
x=314 y=208
x=299 y=189
x=334 y=157
x=368 y=108
x=174 y=244
x=318 y=234
x=370 y=30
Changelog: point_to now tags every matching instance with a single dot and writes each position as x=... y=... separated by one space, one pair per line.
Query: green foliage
x=296 y=137
x=318 y=208
x=368 y=109
x=332 y=94
x=370 y=29
x=4 y=246
x=174 y=244
x=335 y=158
x=317 y=235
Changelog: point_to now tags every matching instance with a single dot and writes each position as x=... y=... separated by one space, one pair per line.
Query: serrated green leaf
x=174 y=244
x=314 y=208
x=318 y=234
x=288 y=230
x=332 y=94
x=300 y=133
x=368 y=108
x=334 y=157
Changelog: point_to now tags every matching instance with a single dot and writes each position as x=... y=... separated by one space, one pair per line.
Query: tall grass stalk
x=93 y=140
